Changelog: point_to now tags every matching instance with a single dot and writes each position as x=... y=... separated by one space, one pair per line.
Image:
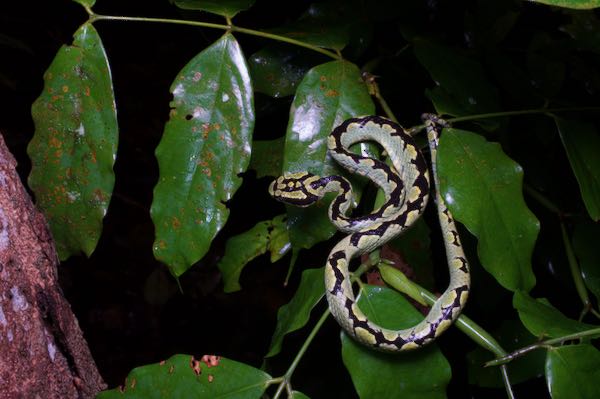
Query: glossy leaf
x=242 y=248
x=420 y=374
x=462 y=87
x=490 y=204
x=544 y=320
x=75 y=142
x=511 y=335
x=572 y=372
x=205 y=146
x=582 y=144
x=576 y=4
x=267 y=157
x=585 y=245
x=183 y=377
x=295 y=314
x=278 y=69
x=226 y=8
x=329 y=94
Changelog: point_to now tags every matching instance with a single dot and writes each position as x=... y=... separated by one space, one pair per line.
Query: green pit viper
x=406 y=187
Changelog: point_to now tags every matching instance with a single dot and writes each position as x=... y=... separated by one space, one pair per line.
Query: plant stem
x=545 y=202
x=543 y=344
x=288 y=374
x=575 y=272
x=396 y=279
x=520 y=112
x=229 y=27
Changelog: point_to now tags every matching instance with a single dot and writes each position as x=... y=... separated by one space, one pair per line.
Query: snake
x=406 y=184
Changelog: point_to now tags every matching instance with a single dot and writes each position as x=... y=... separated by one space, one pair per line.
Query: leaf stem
x=397 y=280
x=285 y=383
x=575 y=272
x=520 y=112
x=542 y=200
x=228 y=27
x=543 y=344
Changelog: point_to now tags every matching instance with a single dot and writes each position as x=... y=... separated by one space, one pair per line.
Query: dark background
x=128 y=306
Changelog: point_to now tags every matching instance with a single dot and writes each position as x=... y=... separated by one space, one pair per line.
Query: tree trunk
x=42 y=350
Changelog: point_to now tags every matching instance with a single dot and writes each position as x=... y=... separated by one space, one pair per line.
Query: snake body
x=406 y=187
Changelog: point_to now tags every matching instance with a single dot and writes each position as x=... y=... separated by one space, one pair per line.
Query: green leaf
x=328 y=25
x=241 y=249
x=279 y=239
x=299 y=395
x=576 y=4
x=329 y=94
x=543 y=319
x=278 y=69
x=420 y=374
x=585 y=246
x=75 y=142
x=572 y=372
x=205 y=146
x=86 y=3
x=225 y=8
x=490 y=204
x=295 y=314
x=511 y=335
x=183 y=376
x=462 y=87
x=582 y=144
x=267 y=157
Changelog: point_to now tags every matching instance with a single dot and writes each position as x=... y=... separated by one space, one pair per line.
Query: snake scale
x=406 y=187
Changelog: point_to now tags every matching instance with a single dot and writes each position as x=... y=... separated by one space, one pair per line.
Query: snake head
x=295 y=189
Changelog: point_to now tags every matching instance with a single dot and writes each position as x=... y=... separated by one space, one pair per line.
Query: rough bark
x=42 y=350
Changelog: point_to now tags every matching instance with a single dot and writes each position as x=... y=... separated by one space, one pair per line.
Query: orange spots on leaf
x=175 y=223
x=54 y=142
x=65 y=89
x=93 y=157
x=211 y=360
x=207 y=171
x=133 y=383
x=99 y=195
x=162 y=362
x=171 y=369
x=86 y=91
x=332 y=93
x=195 y=365
x=323 y=78
x=210 y=378
x=197 y=76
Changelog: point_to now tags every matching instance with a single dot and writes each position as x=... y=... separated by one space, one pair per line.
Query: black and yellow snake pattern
x=406 y=188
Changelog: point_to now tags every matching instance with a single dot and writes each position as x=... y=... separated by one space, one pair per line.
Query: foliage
x=519 y=107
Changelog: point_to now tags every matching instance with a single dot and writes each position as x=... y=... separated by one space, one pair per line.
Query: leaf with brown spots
x=74 y=146
x=328 y=95
x=205 y=146
x=185 y=376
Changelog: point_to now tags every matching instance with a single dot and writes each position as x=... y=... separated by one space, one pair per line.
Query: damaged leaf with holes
x=268 y=235
x=75 y=142
x=205 y=146
x=184 y=376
